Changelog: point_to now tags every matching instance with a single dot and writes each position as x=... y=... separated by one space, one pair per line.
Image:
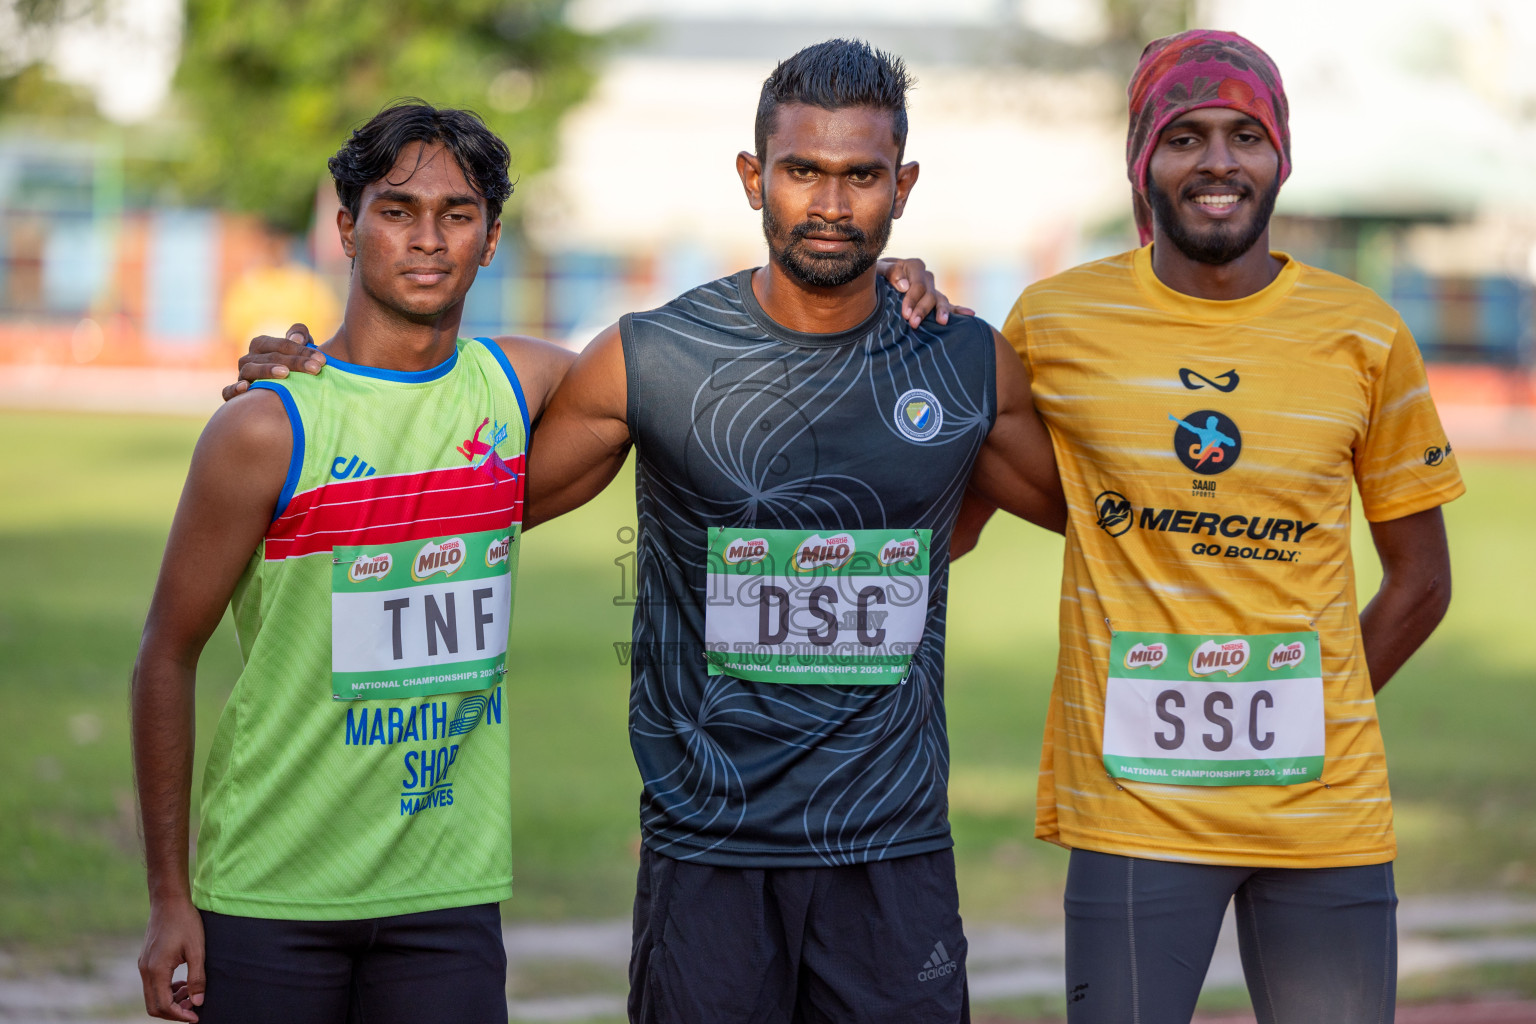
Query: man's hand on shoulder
x=541 y=366
x=272 y=358
x=920 y=294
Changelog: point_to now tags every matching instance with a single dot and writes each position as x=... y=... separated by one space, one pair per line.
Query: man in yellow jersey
x=363 y=526
x=1212 y=731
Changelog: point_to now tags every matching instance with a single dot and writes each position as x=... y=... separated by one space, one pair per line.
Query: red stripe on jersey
x=391 y=509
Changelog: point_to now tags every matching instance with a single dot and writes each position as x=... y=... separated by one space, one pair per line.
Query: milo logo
x=816 y=552
x=903 y=552
x=434 y=557
x=746 y=551
x=497 y=552
x=1146 y=656
x=370 y=567
x=1229 y=657
x=1287 y=655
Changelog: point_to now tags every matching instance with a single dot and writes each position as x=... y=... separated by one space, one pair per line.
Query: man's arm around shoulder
x=540 y=366
x=583 y=437
x=1016 y=467
x=232 y=488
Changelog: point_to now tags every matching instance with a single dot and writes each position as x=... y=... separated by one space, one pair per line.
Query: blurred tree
x=273 y=88
x=1127 y=26
x=1132 y=24
x=28 y=87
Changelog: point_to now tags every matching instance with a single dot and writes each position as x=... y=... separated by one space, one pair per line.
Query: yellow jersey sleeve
x=1405 y=463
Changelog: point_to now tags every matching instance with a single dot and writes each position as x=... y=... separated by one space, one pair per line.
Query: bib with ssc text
x=846 y=607
x=422 y=617
x=1214 y=710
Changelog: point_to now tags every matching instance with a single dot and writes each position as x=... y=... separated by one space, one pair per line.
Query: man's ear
x=906 y=177
x=750 y=169
x=346 y=226
x=492 y=239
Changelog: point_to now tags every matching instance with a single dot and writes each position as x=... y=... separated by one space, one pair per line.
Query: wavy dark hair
x=375 y=146
x=833 y=75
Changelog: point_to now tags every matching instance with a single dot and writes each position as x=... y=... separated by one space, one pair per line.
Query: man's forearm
x=1398 y=620
x=163 y=736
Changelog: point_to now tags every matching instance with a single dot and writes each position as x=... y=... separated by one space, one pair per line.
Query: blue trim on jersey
x=398 y=376
x=296 y=459
x=517 y=385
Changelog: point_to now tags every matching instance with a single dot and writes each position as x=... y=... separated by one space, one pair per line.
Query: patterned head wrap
x=1194 y=69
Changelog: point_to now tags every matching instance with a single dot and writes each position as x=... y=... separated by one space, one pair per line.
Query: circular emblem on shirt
x=1206 y=441
x=918 y=415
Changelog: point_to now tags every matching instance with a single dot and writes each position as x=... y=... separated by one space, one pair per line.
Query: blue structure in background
x=1467 y=320
x=182 y=277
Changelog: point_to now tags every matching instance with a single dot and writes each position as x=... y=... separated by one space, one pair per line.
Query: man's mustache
x=821 y=227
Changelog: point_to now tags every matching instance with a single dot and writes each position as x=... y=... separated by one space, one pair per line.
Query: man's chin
x=819 y=271
x=1217 y=245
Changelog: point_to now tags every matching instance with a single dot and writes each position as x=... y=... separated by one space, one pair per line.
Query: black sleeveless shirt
x=739 y=422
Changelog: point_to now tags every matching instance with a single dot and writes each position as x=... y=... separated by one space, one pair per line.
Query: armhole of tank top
x=989 y=363
x=631 y=373
x=517 y=385
x=296 y=457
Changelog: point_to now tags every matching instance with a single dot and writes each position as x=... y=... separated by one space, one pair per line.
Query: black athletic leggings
x=1319 y=945
x=442 y=965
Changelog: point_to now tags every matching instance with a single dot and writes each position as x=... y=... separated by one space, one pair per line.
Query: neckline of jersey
x=1259 y=302
x=808 y=339
x=426 y=376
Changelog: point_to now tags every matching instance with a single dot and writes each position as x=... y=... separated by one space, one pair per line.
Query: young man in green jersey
x=364 y=525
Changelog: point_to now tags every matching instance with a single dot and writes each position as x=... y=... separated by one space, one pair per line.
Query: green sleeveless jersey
x=361 y=767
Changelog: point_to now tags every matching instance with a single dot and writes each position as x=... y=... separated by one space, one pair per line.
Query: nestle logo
x=1114 y=511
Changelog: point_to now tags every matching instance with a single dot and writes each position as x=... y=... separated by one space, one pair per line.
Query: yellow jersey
x=1212 y=702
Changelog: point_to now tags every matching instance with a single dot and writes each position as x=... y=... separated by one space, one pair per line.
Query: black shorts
x=878 y=942
x=441 y=965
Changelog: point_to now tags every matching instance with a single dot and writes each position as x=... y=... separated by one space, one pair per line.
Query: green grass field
x=85 y=502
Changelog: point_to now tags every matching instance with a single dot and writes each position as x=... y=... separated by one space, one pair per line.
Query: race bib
x=422 y=617
x=802 y=606
x=1214 y=710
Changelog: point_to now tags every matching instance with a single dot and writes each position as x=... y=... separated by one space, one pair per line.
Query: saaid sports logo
x=1286 y=655
x=899 y=552
x=370 y=567
x=746 y=552
x=918 y=415
x=445 y=557
x=1206 y=441
x=817 y=552
x=1146 y=656
x=497 y=553
x=1229 y=656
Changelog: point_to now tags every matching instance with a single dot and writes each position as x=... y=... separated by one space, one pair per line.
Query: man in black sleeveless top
x=802 y=452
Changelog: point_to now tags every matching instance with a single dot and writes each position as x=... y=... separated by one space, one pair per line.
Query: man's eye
x=861 y=177
x=801 y=173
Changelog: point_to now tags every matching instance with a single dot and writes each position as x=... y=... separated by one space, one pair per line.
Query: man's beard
x=1218 y=243
x=823 y=269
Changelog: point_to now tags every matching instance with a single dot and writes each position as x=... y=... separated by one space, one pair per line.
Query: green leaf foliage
x=275 y=87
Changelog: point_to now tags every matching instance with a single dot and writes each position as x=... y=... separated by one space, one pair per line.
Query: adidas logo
x=939 y=965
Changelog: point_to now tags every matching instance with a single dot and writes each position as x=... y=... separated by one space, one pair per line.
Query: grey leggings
x=1319 y=945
